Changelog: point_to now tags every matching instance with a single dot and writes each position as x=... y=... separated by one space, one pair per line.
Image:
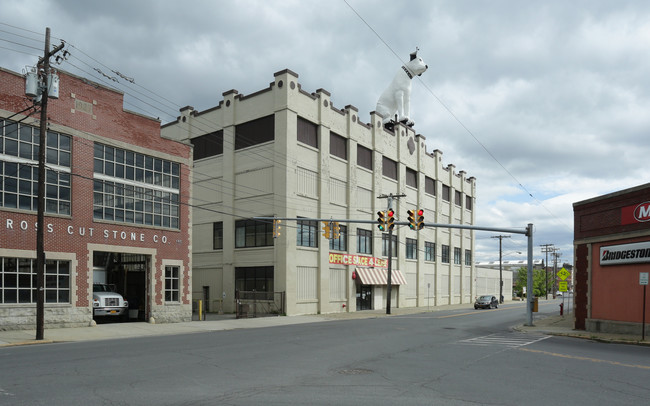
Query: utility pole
x=556 y=254
x=546 y=248
x=40 y=217
x=501 y=237
x=390 y=198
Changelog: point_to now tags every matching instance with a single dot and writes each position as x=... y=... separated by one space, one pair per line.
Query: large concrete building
x=287 y=153
x=116 y=209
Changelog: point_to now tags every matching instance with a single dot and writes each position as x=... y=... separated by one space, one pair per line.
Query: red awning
x=379 y=276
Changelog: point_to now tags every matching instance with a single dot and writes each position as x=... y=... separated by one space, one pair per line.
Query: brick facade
x=89 y=113
x=608 y=297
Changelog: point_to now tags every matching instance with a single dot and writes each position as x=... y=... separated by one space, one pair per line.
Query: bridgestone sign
x=625 y=254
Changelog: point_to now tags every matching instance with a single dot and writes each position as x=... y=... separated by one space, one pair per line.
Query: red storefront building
x=116 y=209
x=612 y=256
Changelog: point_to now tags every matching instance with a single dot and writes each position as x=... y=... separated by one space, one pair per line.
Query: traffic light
x=382 y=220
x=276 y=228
x=326 y=229
x=336 y=230
x=412 y=224
x=390 y=221
x=420 y=219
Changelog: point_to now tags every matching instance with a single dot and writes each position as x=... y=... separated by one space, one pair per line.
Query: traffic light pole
x=389 y=284
x=390 y=269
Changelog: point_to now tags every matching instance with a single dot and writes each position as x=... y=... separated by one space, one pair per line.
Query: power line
x=459 y=121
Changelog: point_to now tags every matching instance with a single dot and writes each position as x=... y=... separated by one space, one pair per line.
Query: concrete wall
x=287 y=178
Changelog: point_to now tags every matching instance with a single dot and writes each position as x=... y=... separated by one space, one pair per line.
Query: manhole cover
x=356 y=371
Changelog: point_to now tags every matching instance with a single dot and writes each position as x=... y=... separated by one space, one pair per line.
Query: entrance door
x=128 y=274
x=364 y=297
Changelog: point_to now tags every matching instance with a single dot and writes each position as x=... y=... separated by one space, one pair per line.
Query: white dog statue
x=396 y=99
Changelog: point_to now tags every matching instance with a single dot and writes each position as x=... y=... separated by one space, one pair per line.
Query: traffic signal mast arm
x=405 y=223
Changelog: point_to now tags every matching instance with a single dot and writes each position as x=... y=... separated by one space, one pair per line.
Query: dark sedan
x=486 y=302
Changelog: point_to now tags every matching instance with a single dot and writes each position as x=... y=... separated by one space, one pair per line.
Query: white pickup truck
x=107 y=302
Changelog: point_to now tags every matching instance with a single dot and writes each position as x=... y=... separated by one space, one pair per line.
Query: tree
x=539 y=282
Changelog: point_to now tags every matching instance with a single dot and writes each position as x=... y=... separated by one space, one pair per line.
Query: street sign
x=563 y=286
x=563 y=273
x=643 y=278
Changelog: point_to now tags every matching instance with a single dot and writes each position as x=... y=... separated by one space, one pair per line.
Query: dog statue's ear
x=414 y=54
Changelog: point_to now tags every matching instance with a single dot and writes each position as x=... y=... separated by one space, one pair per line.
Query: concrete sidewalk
x=563 y=326
x=553 y=324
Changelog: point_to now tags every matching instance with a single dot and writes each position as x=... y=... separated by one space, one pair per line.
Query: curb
x=32 y=342
x=585 y=336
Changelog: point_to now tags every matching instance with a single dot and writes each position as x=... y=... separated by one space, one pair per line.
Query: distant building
x=116 y=209
x=288 y=153
x=487 y=282
x=612 y=254
x=511 y=265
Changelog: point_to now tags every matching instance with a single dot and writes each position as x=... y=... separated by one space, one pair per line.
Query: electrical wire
x=151 y=105
x=459 y=121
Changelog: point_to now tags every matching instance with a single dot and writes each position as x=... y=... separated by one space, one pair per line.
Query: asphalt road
x=463 y=357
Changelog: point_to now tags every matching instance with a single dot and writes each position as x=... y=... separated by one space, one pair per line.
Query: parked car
x=486 y=302
x=107 y=302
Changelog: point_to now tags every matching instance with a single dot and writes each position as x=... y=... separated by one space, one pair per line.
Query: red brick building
x=116 y=209
x=612 y=249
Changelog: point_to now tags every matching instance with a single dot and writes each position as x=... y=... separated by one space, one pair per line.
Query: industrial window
x=468 y=202
x=429 y=251
x=341 y=243
x=458 y=198
x=389 y=168
x=19 y=152
x=255 y=132
x=364 y=241
x=134 y=188
x=307 y=132
x=257 y=278
x=253 y=233
x=446 y=193
x=468 y=257
x=411 y=248
x=456 y=255
x=217 y=235
x=364 y=157
x=208 y=145
x=429 y=186
x=445 y=254
x=338 y=146
x=411 y=178
x=384 y=245
x=18 y=281
x=172 y=284
x=307 y=233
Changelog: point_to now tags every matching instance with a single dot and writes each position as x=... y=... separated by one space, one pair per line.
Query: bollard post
x=200 y=309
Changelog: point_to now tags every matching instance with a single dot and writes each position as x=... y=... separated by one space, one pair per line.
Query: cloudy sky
x=545 y=103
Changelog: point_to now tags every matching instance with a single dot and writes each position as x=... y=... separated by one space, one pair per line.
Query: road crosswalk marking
x=506 y=340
